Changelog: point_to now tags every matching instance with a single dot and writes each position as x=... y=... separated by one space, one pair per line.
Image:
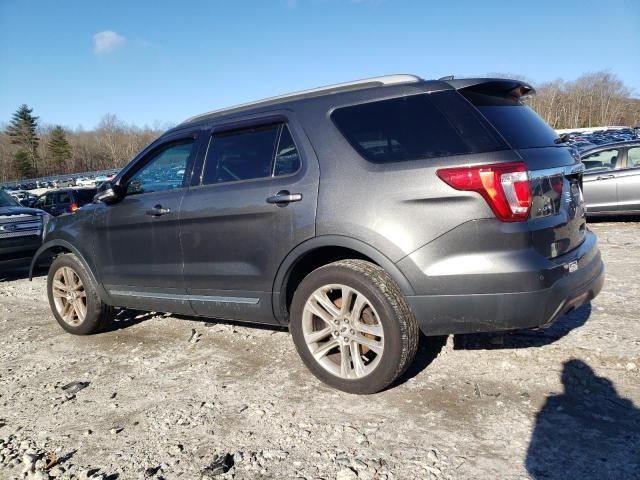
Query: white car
x=85 y=182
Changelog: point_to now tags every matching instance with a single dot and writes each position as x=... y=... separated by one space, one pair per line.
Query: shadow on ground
x=588 y=432
x=525 y=338
x=9 y=274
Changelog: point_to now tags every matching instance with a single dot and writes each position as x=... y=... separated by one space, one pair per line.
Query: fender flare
x=282 y=275
x=68 y=246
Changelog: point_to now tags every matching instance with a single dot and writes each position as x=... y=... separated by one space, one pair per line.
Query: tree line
x=593 y=100
x=29 y=150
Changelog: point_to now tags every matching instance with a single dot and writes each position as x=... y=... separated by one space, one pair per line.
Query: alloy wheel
x=343 y=331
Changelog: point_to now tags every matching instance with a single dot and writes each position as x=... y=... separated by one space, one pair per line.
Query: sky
x=159 y=62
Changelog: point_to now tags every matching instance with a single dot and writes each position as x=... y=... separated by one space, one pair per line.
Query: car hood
x=8 y=211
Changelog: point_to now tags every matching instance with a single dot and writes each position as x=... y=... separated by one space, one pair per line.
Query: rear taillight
x=73 y=207
x=505 y=187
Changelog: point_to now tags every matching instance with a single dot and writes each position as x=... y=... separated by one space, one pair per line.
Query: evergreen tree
x=59 y=149
x=22 y=131
x=22 y=164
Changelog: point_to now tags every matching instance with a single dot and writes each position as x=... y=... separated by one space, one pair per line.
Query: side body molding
x=282 y=276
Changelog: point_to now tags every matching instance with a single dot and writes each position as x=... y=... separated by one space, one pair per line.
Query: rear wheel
x=352 y=326
x=74 y=298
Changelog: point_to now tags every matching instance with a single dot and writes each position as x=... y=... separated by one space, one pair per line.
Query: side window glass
x=287 y=157
x=50 y=199
x=601 y=161
x=633 y=157
x=240 y=155
x=63 y=197
x=165 y=171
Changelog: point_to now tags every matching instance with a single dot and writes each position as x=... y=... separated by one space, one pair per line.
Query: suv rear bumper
x=484 y=312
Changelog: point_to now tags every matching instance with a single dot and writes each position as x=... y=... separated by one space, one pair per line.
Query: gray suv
x=357 y=215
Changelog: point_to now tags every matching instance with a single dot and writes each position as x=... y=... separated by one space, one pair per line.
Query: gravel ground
x=167 y=397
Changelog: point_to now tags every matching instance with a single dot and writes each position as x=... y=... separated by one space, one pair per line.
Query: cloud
x=107 y=42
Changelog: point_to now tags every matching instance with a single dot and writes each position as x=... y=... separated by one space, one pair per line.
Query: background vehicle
x=20 y=230
x=612 y=179
x=355 y=214
x=85 y=182
x=67 y=200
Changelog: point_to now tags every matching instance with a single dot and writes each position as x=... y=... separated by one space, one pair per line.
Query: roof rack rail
x=364 y=83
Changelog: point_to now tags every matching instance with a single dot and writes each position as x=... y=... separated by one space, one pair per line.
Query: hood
x=8 y=211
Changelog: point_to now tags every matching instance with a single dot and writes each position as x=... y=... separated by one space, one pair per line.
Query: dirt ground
x=167 y=397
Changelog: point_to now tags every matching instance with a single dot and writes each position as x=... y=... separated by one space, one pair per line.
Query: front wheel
x=74 y=298
x=352 y=326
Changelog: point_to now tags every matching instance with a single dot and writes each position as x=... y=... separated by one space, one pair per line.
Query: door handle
x=283 y=197
x=158 y=211
x=605 y=177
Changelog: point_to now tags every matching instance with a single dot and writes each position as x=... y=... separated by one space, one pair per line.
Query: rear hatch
x=557 y=218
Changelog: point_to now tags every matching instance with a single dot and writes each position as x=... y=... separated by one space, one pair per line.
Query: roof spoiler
x=498 y=87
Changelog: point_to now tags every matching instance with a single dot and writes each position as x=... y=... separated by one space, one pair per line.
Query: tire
x=376 y=332
x=73 y=292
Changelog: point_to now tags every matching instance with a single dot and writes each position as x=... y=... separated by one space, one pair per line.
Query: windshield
x=7 y=200
x=520 y=125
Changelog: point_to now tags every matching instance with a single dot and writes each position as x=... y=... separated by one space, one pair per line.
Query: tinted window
x=63 y=198
x=85 y=196
x=520 y=126
x=241 y=154
x=633 y=157
x=415 y=127
x=601 y=161
x=166 y=170
x=50 y=199
x=287 y=158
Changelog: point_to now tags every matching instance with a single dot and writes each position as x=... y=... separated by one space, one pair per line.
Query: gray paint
x=437 y=243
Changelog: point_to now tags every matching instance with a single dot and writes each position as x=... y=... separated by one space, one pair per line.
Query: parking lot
x=166 y=397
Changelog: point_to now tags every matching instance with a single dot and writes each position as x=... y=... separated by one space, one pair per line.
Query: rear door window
x=416 y=127
x=250 y=153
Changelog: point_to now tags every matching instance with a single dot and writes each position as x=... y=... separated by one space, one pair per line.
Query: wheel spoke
x=80 y=308
x=317 y=336
x=324 y=349
x=322 y=299
x=347 y=297
x=58 y=285
x=67 y=277
x=374 y=345
x=345 y=361
x=67 y=311
x=358 y=364
x=359 y=304
x=319 y=312
x=365 y=328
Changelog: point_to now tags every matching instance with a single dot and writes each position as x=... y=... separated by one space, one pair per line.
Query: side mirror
x=108 y=193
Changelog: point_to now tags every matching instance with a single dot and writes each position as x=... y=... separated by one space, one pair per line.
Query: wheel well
x=51 y=253
x=315 y=259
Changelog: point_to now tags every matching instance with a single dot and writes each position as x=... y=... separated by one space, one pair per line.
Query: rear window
x=520 y=126
x=85 y=196
x=416 y=127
